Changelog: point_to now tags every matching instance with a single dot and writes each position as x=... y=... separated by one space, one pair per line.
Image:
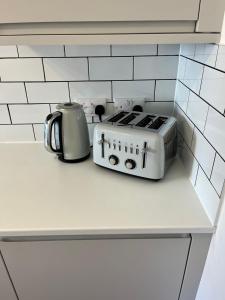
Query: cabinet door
x=97 y=10
x=6 y=288
x=115 y=269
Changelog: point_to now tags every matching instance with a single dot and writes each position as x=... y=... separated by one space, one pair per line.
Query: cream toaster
x=136 y=143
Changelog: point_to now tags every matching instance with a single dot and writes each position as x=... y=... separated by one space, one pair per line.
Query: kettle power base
x=72 y=161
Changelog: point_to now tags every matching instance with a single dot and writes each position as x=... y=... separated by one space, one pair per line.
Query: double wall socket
x=127 y=104
x=90 y=104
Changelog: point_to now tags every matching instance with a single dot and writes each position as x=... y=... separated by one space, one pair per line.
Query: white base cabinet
x=150 y=268
x=112 y=269
x=6 y=288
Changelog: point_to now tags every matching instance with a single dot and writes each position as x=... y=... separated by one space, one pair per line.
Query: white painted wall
x=212 y=286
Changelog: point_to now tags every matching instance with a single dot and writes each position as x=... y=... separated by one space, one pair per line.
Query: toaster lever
x=101 y=142
x=144 y=151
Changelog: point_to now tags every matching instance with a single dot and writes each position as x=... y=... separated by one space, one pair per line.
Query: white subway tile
x=181 y=67
x=197 y=111
x=133 y=89
x=90 y=89
x=182 y=96
x=203 y=151
x=12 y=92
x=89 y=50
x=158 y=67
x=193 y=75
x=185 y=126
x=111 y=68
x=206 y=49
x=41 y=51
x=47 y=92
x=218 y=174
x=215 y=131
x=168 y=49
x=29 y=113
x=206 y=53
x=4 y=115
x=207 y=195
x=165 y=90
x=16 y=133
x=187 y=50
x=66 y=69
x=220 y=62
x=21 y=69
x=8 y=51
x=163 y=108
x=190 y=163
x=39 y=132
x=132 y=50
x=213 y=88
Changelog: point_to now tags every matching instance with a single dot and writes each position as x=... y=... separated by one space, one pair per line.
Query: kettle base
x=61 y=158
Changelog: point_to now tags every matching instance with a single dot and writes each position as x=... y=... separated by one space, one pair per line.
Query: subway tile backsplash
x=200 y=104
x=33 y=79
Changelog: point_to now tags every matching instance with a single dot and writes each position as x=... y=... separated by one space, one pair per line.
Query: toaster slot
x=119 y=116
x=144 y=122
x=158 y=123
x=128 y=119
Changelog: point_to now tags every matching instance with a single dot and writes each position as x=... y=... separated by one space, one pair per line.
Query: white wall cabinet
x=99 y=269
x=107 y=21
x=6 y=288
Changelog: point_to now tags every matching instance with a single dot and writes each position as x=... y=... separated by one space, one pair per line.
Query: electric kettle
x=70 y=140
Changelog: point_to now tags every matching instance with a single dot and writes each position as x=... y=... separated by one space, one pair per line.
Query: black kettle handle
x=49 y=122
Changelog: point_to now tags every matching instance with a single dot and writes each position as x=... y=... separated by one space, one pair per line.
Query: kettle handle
x=49 y=122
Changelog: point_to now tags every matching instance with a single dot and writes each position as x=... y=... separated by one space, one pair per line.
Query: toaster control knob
x=113 y=160
x=130 y=164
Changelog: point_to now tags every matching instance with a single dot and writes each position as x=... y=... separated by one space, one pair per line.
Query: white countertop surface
x=40 y=195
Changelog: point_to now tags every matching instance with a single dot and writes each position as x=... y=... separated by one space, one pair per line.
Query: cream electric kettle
x=70 y=138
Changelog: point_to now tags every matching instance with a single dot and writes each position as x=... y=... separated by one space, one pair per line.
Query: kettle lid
x=68 y=105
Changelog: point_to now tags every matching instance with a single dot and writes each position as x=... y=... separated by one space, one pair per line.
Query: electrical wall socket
x=90 y=104
x=127 y=104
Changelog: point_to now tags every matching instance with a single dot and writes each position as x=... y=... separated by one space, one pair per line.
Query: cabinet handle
x=90 y=237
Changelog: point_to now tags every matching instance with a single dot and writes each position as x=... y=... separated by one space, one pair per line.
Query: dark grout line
x=33 y=132
x=212 y=166
x=201 y=63
x=88 y=66
x=25 y=88
x=91 y=56
x=42 y=61
x=68 y=85
x=10 y=117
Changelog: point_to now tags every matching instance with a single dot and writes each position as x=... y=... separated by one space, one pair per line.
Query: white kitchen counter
x=40 y=195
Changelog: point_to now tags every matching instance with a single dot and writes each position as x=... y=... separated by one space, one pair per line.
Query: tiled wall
x=200 y=109
x=34 y=79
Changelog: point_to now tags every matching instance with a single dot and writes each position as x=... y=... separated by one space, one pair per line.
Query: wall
x=200 y=104
x=34 y=79
x=200 y=109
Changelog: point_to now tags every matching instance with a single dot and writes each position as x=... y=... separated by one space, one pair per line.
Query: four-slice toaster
x=136 y=143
